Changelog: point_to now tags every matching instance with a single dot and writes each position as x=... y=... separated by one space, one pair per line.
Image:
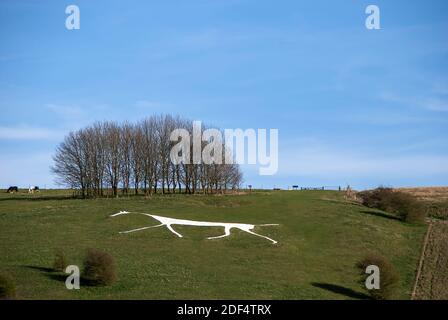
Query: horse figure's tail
x=119 y=213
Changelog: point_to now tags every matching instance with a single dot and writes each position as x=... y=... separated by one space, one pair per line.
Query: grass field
x=321 y=237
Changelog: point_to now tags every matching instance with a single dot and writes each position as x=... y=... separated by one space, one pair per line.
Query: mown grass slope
x=321 y=237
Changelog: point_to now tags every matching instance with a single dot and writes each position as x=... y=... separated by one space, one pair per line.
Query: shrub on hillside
x=416 y=215
x=7 y=287
x=401 y=204
x=60 y=261
x=388 y=276
x=437 y=210
x=99 y=268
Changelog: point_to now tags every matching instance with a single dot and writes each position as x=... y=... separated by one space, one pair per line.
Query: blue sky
x=353 y=106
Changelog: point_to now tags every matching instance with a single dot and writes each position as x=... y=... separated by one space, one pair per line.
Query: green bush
x=7 y=287
x=99 y=268
x=388 y=276
x=60 y=261
x=437 y=210
x=401 y=204
x=416 y=215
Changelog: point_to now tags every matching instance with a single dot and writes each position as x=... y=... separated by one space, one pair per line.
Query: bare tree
x=109 y=155
x=127 y=135
x=113 y=155
x=69 y=165
x=137 y=156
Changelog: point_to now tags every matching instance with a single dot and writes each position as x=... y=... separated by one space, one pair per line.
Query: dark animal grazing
x=33 y=189
x=13 y=189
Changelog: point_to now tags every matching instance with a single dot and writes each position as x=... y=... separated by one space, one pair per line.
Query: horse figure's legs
x=259 y=235
x=173 y=231
x=144 y=228
x=226 y=234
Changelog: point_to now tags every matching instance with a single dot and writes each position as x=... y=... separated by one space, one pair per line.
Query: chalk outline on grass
x=168 y=222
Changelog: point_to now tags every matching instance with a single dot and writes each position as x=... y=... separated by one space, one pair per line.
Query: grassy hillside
x=321 y=237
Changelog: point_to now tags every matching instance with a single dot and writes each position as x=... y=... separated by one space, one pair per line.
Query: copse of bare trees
x=109 y=158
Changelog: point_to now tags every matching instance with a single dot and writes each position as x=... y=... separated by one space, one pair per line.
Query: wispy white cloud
x=441 y=88
x=319 y=160
x=65 y=110
x=378 y=118
x=74 y=116
x=74 y=113
x=436 y=103
x=148 y=104
x=26 y=170
x=29 y=133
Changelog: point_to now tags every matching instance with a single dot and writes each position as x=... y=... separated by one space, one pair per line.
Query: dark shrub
x=7 y=287
x=388 y=276
x=401 y=204
x=437 y=210
x=99 y=268
x=60 y=261
x=416 y=214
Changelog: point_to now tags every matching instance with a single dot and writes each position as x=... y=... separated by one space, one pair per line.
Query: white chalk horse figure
x=169 y=222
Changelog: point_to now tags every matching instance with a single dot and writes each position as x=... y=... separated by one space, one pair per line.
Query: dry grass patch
x=428 y=193
x=433 y=282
